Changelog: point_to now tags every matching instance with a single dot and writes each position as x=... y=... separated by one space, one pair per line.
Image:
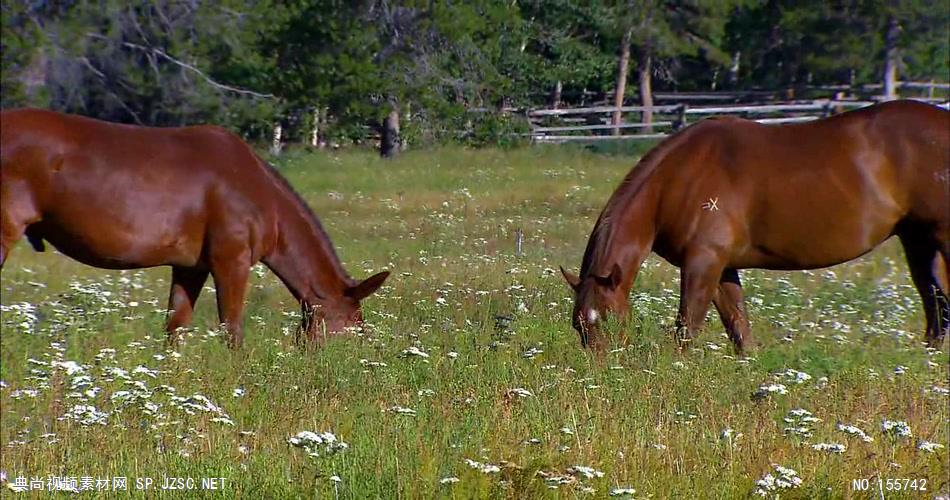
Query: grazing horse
x=194 y=198
x=726 y=194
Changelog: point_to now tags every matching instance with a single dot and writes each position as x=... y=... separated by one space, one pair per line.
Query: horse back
x=763 y=194
x=119 y=196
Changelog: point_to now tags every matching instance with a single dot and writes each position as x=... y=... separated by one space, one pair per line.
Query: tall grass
x=502 y=398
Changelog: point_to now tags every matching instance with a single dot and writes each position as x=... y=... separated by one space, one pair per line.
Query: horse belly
x=124 y=232
x=118 y=248
x=806 y=238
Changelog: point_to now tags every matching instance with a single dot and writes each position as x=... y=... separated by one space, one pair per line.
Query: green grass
x=445 y=222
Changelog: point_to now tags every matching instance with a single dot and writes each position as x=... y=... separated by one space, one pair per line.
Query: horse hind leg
x=730 y=304
x=186 y=287
x=940 y=269
x=928 y=264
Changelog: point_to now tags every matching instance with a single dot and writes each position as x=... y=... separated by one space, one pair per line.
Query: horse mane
x=629 y=188
x=301 y=205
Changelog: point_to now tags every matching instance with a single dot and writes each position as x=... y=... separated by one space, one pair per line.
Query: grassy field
x=468 y=380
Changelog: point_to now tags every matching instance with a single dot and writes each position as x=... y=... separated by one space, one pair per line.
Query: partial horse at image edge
x=727 y=194
x=197 y=199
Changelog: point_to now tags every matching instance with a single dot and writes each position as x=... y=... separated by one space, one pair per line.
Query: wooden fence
x=594 y=123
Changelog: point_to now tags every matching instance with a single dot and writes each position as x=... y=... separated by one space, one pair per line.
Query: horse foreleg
x=11 y=231
x=928 y=269
x=17 y=212
x=699 y=281
x=186 y=286
x=730 y=305
x=230 y=282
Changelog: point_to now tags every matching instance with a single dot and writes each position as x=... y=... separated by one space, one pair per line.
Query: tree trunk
x=891 y=59
x=404 y=143
x=389 y=145
x=556 y=96
x=621 y=88
x=315 y=133
x=646 y=91
x=734 y=69
x=276 y=145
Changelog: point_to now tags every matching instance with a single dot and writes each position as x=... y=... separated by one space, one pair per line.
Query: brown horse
x=194 y=198
x=727 y=194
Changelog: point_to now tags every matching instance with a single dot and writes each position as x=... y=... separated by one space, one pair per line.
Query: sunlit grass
x=468 y=369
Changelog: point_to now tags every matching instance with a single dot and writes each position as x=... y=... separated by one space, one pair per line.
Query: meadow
x=467 y=380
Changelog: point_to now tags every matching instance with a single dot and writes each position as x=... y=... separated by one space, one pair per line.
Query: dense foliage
x=247 y=64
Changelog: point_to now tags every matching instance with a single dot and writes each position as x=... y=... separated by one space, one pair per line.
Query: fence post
x=828 y=110
x=680 y=120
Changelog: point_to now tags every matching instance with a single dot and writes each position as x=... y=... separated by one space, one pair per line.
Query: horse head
x=341 y=313
x=595 y=298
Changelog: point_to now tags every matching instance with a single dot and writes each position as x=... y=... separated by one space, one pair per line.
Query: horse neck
x=624 y=235
x=304 y=258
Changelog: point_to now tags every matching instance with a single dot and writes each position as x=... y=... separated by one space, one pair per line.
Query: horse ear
x=572 y=280
x=613 y=279
x=366 y=287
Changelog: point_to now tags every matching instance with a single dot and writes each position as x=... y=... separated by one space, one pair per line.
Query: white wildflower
x=373 y=364
x=616 y=492
x=764 y=390
x=784 y=478
x=531 y=353
x=896 y=427
x=830 y=447
x=71 y=367
x=795 y=376
x=929 y=447
x=144 y=371
x=587 y=472
x=520 y=392
x=316 y=443
x=854 y=431
x=86 y=415
x=414 y=351
x=399 y=410
x=483 y=468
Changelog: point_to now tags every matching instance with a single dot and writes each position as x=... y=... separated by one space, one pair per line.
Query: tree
x=789 y=43
x=143 y=62
x=21 y=63
x=665 y=31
